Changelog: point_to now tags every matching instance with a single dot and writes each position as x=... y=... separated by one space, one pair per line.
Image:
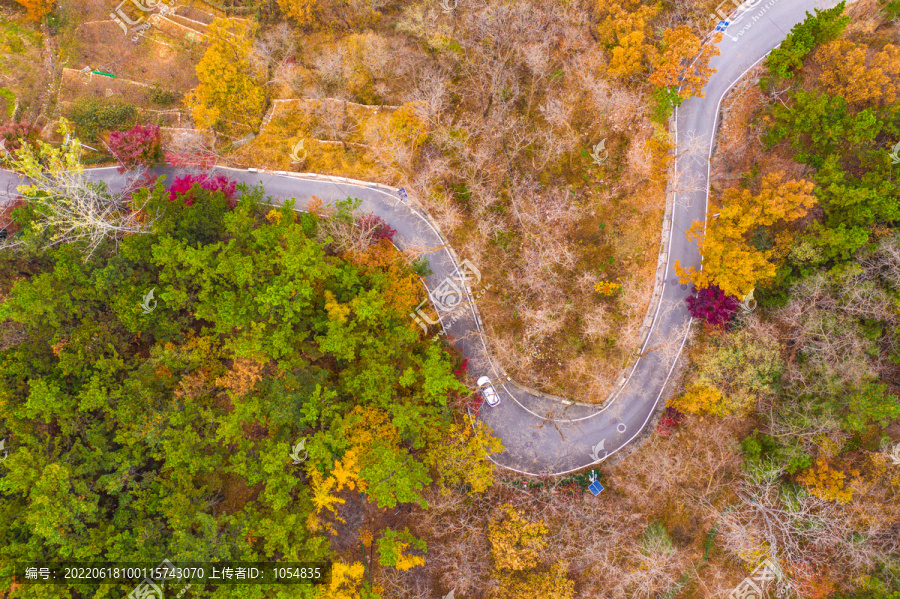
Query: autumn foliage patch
x=13 y=134
x=136 y=147
x=379 y=229
x=669 y=421
x=183 y=186
x=712 y=305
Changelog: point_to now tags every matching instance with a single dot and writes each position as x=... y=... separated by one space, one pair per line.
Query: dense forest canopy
x=139 y=435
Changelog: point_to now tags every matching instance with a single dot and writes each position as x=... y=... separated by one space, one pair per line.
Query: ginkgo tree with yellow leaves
x=461 y=458
x=516 y=542
x=228 y=90
x=732 y=259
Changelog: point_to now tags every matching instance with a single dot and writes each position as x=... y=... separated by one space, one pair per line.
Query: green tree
x=394 y=547
x=823 y=26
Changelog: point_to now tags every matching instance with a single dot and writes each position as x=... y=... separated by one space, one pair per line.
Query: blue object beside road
x=595 y=487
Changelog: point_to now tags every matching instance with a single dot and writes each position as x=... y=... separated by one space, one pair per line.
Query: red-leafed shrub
x=713 y=306
x=669 y=421
x=139 y=146
x=202 y=160
x=379 y=229
x=461 y=371
x=13 y=134
x=184 y=185
x=475 y=404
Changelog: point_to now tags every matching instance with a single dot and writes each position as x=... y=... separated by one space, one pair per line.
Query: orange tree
x=625 y=31
x=683 y=62
x=37 y=9
x=741 y=242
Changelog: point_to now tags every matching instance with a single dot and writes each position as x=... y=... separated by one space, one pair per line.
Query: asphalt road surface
x=544 y=435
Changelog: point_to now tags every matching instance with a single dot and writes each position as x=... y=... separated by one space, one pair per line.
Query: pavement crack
x=549 y=418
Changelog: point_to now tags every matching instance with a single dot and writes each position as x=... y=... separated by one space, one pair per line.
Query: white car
x=488 y=392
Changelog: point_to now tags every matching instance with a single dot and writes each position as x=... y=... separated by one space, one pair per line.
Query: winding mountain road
x=544 y=435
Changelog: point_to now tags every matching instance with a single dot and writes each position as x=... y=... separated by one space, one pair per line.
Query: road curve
x=543 y=435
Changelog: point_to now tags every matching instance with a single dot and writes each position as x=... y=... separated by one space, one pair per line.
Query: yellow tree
x=37 y=9
x=730 y=260
x=516 y=543
x=826 y=482
x=242 y=377
x=676 y=65
x=625 y=31
x=543 y=585
x=227 y=90
x=346 y=581
x=325 y=489
x=888 y=62
x=462 y=458
x=699 y=398
x=848 y=71
x=301 y=11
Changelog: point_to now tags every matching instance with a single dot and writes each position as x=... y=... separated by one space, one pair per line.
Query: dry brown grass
x=163 y=57
x=21 y=66
x=681 y=482
x=75 y=86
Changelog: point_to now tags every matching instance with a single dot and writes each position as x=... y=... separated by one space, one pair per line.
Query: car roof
x=482 y=380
